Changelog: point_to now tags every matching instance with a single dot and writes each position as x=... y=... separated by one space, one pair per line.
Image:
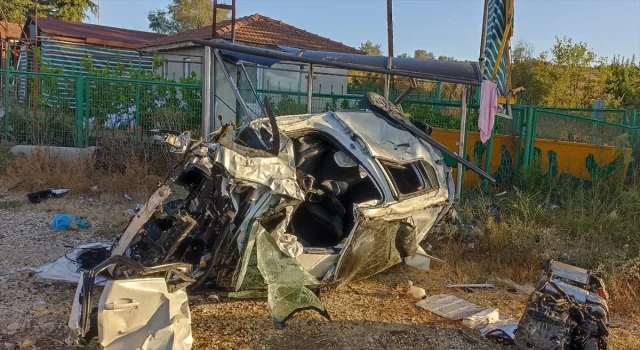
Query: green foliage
x=287 y=105
x=624 y=82
x=371 y=49
x=572 y=75
x=183 y=15
x=333 y=105
x=17 y=11
x=423 y=55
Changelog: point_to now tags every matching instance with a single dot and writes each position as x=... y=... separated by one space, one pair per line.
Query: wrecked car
x=282 y=207
x=330 y=198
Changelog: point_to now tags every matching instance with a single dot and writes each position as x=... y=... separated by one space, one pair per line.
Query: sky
x=444 y=27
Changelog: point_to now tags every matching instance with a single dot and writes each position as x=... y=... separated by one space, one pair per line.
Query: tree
x=624 y=81
x=445 y=58
x=522 y=51
x=371 y=49
x=182 y=15
x=423 y=55
x=403 y=55
x=17 y=11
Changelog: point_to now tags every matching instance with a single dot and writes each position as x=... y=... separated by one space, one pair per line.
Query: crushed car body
x=344 y=196
x=281 y=207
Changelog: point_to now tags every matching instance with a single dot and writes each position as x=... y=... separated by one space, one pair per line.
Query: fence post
x=438 y=94
x=519 y=126
x=79 y=110
x=528 y=132
x=137 y=129
x=7 y=87
x=87 y=112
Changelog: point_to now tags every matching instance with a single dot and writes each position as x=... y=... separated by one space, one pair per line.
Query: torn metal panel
x=276 y=173
x=288 y=283
x=420 y=260
x=67 y=268
x=370 y=250
x=449 y=306
x=143 y=314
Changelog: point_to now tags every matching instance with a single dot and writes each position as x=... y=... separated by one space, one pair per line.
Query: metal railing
x=79 y=111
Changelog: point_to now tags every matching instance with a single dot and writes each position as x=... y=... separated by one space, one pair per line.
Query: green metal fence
x=80 y=111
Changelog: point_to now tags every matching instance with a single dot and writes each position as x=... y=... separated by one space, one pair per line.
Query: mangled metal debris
x=568 y=310
x=316 y=200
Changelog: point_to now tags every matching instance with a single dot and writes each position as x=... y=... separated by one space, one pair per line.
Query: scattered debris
x=472 y=285
x=514 y=287
x=471 y=245
x=416 y=292
x=489 y=315
x=568 y=309
x=40 y=305
x=70 y=267
x=126 y=196
x=69 y=221
x=134 y=211
x=449 y=306
x=15 y=270
x=37 y=197
x=27 y=345
x=95 y=188
x=487 y=321
x=495 y=211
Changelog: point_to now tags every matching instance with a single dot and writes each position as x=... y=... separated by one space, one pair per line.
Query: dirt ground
x=371 y=314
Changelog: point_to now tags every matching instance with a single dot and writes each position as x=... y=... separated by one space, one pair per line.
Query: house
x=183 y=58
x=63 y=45
x=9 y=35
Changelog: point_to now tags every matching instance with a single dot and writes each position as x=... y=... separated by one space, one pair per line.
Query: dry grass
x=532 y=230
x=116 y=169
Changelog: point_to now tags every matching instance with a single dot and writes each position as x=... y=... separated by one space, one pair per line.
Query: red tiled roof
x=13 y=31
x=96 y=34
x=260 y=30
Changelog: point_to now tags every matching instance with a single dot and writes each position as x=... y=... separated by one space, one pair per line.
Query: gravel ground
x=372 y=314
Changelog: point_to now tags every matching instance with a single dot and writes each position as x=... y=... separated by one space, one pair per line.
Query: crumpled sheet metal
x=277 y=173
x=288 y=283
x=287 y=243
x=383 y=140
x=143 y=314
x=66 y=269
x=371 y=249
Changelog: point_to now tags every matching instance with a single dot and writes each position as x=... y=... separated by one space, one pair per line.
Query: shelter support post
x=309 y=88
x=207 y=96
x=387 y=78
x=487 y=158
x=461 y=143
